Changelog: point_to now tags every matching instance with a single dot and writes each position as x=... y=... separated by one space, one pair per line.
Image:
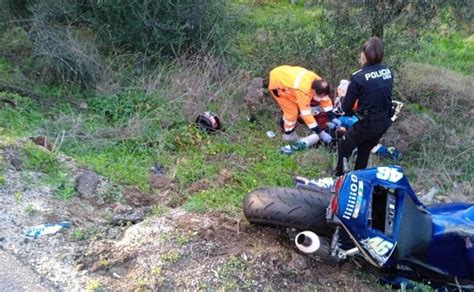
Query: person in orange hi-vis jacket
x=293 y=88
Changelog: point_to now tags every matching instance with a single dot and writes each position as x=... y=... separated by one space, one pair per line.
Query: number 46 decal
x=388 y=173
x=379 y=245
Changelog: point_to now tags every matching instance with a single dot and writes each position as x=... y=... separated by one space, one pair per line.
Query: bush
x=435 y=127
x=441 y=90
x=62 y=56
x=158 y=26
x=202 y=83
x=270 y=36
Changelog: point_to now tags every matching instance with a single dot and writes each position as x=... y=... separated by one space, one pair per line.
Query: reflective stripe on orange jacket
x=325 y=103
x=293 y=83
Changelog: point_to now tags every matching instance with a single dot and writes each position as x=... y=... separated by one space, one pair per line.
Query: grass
x=293 y=27
x=94 y=286
x=30 y=209
x=146 y=128
x=235 y=274
x=455 y=52
x=57 y=175
x=19 y=121
x=79 y=234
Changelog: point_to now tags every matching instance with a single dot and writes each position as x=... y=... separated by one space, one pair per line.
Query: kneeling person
x=293 y=88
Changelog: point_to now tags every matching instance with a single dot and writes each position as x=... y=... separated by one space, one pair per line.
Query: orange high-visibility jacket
x=294 y=84
x=325 y=102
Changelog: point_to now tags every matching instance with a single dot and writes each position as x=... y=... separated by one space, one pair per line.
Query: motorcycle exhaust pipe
x=310 y=242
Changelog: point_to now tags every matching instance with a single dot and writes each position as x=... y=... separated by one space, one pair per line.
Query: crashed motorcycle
x=374 y=214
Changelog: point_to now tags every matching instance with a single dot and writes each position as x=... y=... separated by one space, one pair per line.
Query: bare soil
x=173 y=250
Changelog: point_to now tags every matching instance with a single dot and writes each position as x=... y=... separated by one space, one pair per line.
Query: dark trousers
x=362 y=137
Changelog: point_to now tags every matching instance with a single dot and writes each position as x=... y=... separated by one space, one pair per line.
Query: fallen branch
x=21 y=91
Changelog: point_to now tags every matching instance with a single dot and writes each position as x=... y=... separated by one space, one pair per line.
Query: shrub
x=61 y=56
x=158 y=26
x=441 y=90
x=202 y=83
x=435 y=127
x=268 y=38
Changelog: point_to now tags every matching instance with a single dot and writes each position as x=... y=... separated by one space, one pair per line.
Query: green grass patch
x=455 y=52
x=5 y=69
x=275 y=33
x=57 y=176
x=19 y=120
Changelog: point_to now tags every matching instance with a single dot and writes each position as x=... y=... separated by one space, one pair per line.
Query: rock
x=299 y=262
x=83 y=105
x=254 y=92
x=87 y=184
x=80 y=267
x=13 y=157
x=122 y=217
x=43 y=141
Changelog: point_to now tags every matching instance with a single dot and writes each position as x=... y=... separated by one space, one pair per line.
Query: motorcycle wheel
x=289 y=207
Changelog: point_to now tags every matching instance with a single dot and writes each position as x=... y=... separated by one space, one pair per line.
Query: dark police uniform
x=371 y=86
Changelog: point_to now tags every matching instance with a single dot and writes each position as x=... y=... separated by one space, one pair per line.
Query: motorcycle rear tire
x=289 y=207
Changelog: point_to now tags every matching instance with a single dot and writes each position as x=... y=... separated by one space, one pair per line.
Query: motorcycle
x=374 y=214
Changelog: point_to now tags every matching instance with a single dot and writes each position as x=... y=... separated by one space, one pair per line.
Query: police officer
x=372 y=87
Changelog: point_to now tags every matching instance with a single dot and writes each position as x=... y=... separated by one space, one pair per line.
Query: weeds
x=79 y=234
x=112 y=194
x=94 y=286
x=170 y=257
x=57 y=176
x=30 y=209
x=159 y=210
x=18 y=196
x=182 y=240
x=234 y=273
x=195 y=206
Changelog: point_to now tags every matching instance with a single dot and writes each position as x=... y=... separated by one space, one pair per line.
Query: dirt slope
x=176 y=250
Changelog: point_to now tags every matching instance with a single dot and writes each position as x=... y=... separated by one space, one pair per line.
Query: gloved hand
x=316 y=110
x=338 y=110
x=334 y=123
x=325 y=137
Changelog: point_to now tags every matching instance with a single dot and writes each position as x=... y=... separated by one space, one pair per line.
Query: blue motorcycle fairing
x=354 y=210
x=452 y=246
x=451 y=226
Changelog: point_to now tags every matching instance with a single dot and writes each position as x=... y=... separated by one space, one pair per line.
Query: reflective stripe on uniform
x=312 y=125
x=328 y=108
x=298 y=79
x=324 y=98
x=289 y=123
x=306 y=112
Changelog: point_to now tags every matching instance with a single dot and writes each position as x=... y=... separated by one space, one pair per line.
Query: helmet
x=209 y=122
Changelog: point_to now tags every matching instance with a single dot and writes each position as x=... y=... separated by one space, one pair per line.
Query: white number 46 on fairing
x=380 y=246
x=388 y=173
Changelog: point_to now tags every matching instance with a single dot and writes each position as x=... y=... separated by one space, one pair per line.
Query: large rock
x=254 y=93
x=87 y=184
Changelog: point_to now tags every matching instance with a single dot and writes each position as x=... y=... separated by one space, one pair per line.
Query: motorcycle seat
x=415 y=230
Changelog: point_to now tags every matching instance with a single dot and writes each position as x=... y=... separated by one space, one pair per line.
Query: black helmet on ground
x=208 y=122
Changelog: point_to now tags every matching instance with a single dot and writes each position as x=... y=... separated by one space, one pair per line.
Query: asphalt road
x=15 y=276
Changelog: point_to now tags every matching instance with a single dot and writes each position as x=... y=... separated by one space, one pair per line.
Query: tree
x=348 y=23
